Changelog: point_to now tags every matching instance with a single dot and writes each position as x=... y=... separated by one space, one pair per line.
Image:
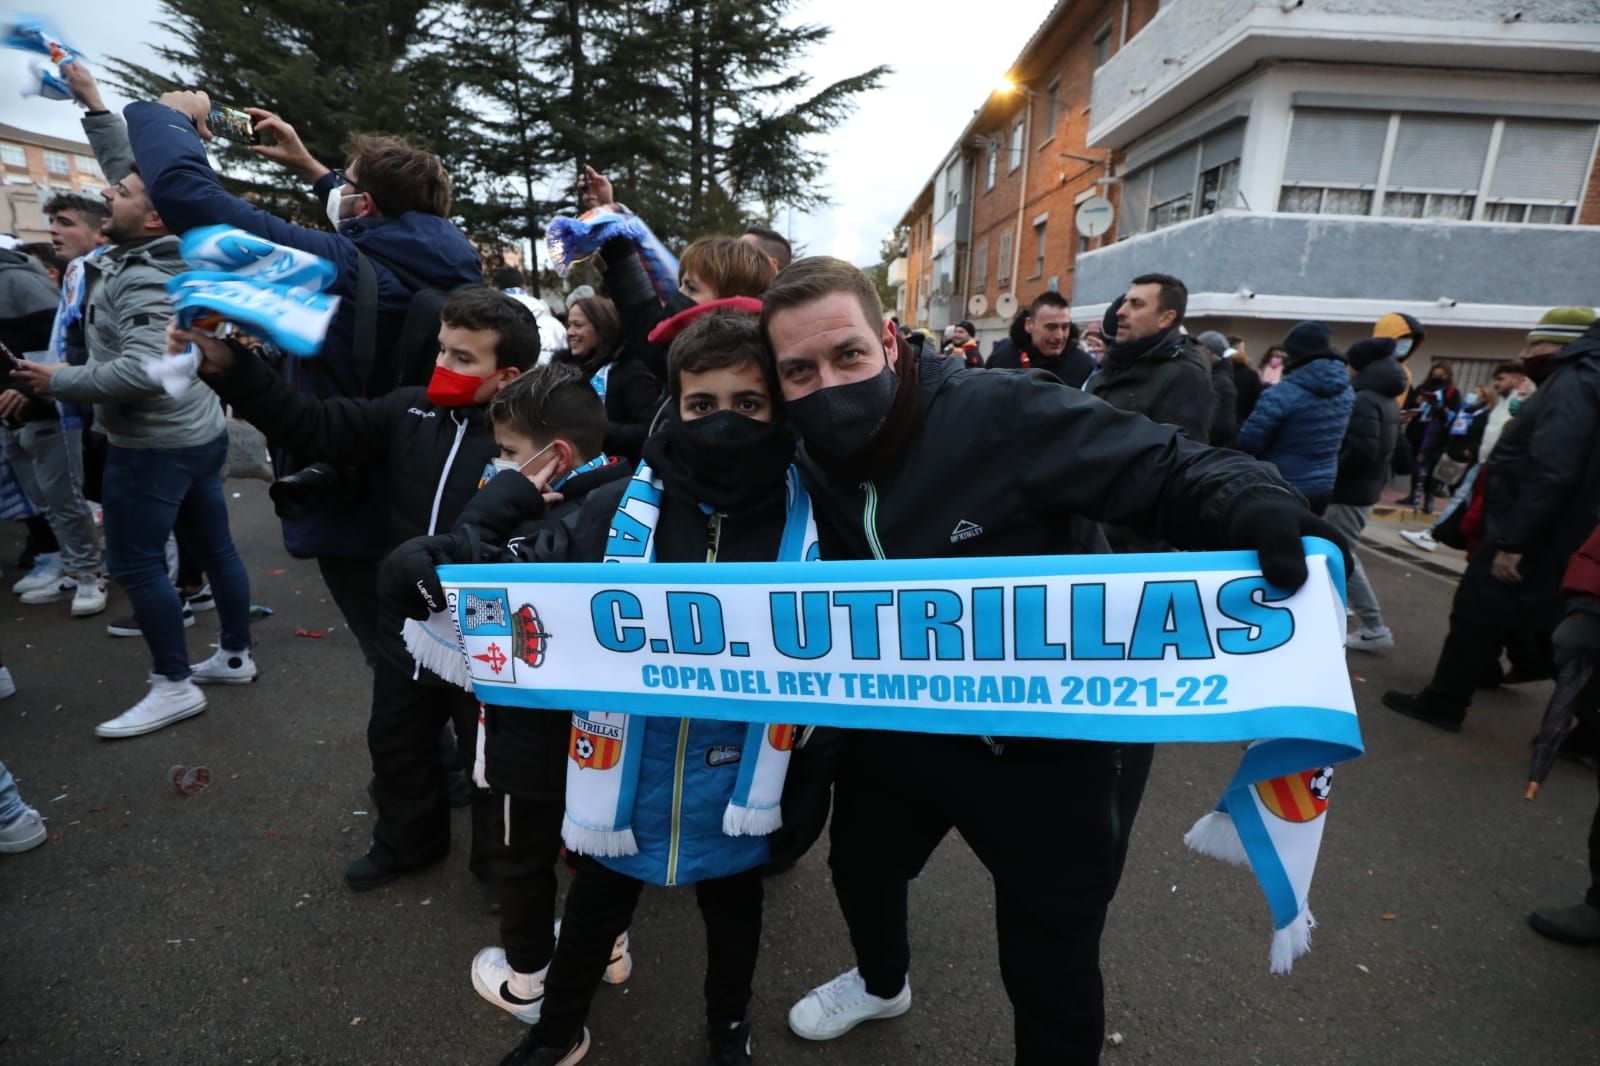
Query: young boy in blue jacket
x=723 y=462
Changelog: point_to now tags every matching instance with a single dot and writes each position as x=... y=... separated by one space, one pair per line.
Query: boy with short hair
x=429 y=447
x=722 y=465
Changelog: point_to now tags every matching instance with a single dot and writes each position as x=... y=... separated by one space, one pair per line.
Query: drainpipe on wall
x=1022 y=195
x=1122 y=34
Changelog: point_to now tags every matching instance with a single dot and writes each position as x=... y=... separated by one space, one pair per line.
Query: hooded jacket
x=1298 y=424
x=1368 y=446
x=1541 y=494
x=1074 y=366
x=1170 y=384
x=1225 y=413
x=689 y=766
x=189 y=194
x=126 y=308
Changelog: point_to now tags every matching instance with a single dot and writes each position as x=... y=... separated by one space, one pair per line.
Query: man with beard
x=1151 y=366
x=1049 y=818
x=1047 y=332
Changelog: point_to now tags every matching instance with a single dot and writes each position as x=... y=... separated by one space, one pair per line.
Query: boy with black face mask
x=718 y=476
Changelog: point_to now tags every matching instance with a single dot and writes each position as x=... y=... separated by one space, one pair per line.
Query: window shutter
x=1439 y=152
x=1173 y=176
x=1335 y=147
x=1542 y=160
x=1221 y=147
x=1135 y=203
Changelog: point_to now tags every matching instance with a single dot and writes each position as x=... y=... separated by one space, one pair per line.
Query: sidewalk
x=1389 y=518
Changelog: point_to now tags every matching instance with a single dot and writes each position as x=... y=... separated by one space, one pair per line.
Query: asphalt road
x=162 y=929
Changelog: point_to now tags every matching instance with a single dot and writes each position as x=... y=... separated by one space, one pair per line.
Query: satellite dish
x=1006 y=305
x=1095 y=216
x=978 y=305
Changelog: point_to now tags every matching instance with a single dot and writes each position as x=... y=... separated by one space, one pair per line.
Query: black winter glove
x=1272 y=526
x=407 y=583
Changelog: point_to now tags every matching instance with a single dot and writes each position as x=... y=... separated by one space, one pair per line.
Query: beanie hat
x=1306 y=342
x=1216 y=342
x=580 y=293
x=1396 y=325
x=1364 y=353
x=1562 y=325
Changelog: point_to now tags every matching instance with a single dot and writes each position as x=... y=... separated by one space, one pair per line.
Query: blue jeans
x=11 y=805
x=148 y=494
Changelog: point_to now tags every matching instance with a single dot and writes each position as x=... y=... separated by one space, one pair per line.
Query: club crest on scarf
x=528 y=638
x=494 y=637
x=596 y=741
x=1298 y=797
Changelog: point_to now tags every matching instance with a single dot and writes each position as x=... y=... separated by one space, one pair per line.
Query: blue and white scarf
x=601 y=792
x=572 y=240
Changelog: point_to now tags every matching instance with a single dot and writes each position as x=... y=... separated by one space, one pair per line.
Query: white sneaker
x=8 y=687
x=62 y=588
x=46 y=571
x=620 y=968
x=1421 y=538
x=518 y=994
x=1374 y=641
x=90 y=598
x=225 y=668
x=166 y=702
x=839 y=1006
x=22 y=833
x=200 y=601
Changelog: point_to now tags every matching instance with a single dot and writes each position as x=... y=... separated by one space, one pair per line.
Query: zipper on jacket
x=869 y=519
x=713 y=542
x=677 y=801
x=444 y=475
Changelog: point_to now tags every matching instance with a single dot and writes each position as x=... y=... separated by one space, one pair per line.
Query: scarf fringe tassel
x=1214 y=835
x=751 y=821
x=435 y=656
x=1292 y=941
x=600 y=843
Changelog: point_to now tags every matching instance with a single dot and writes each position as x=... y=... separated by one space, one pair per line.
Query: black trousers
x=1050 y=821
x=599 y=909
x=353 y=584
x=521 y=846
x=408 y=777
x=1471 y=653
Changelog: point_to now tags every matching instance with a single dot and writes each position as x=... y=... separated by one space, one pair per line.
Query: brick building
x=1335 y=160
x=35 y=167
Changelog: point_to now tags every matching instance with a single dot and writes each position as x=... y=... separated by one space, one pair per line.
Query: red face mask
x=447 y=388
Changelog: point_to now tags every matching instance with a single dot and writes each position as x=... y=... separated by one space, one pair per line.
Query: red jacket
x=1583 y=569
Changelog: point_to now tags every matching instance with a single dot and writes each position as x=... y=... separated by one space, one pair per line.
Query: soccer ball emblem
x=584 y=747
x=1321 y=783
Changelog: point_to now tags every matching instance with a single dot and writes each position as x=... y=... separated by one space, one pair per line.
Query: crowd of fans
x=509 y=429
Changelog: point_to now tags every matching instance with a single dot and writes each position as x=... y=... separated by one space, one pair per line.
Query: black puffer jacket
x=1225 y=412
x=1368 y=446
x=633 y=396
x=1541 y=494
x=1170 y=384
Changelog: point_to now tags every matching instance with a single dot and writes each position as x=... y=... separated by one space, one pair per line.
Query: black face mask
x=733 y=460
x=840 y=421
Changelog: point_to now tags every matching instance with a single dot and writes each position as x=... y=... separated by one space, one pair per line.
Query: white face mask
x=501 y=466
x=1402 y=347
x=336 y=199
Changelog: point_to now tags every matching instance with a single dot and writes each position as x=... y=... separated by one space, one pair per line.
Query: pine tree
x=331 y=69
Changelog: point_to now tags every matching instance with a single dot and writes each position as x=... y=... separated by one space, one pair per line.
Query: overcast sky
x=877 y=161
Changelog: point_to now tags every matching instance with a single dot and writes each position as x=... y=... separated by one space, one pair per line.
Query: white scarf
x=607 y=747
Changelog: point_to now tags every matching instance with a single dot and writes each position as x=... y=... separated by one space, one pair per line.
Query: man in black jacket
x=1225 y=401
x=1540 y=497
x=1151 y=366
x=431 y=449
x=1050 y=819
x=1048 y=334
x=1365 y=458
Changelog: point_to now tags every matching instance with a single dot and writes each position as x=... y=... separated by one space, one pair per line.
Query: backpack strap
x=364 y=330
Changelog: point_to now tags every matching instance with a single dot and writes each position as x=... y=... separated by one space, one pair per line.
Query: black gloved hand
x=407 y=583
x=1272 y=526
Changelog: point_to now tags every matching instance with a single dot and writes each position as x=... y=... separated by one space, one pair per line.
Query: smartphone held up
x=231 y=123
